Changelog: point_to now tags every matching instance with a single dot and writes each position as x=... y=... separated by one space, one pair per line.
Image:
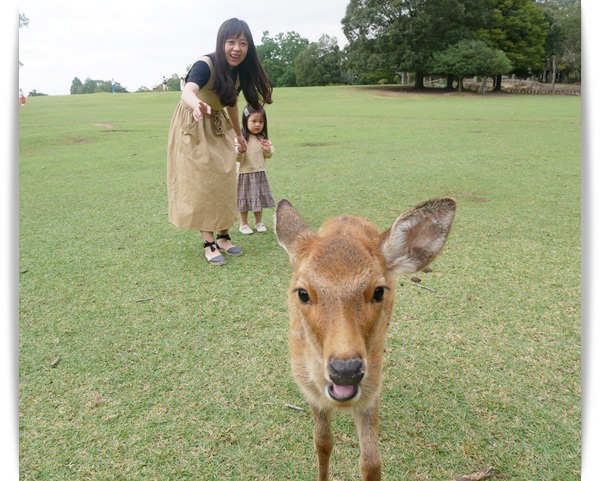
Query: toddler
x=253 y=190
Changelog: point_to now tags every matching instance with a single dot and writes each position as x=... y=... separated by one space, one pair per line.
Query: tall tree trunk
x=553 y=71
x=483 y=88
x=419 y=85
x=497 y=83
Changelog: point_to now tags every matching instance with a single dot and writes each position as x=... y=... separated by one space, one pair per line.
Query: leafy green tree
x=76 y=86
x=563 y=42
x=174 y=83
x=373 y=28
x=23 y=22
x=519 y=29
x=89 y=86
x=320 y=63
x=469 y=58
x=93 y=86
x=278 y=56
x=552 y=47
x=402 y=35
x=104 y=86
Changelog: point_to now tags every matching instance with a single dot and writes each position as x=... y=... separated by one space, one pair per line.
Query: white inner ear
x=414 y=241
x=398 y=259
x=395 y=251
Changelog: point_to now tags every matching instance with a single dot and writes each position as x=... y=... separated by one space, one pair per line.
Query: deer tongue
x=342 y=392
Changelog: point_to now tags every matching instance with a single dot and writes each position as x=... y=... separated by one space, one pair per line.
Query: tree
x=23 y=22
x=563 y=42
x=89 y=86
x=93 y=86
x=519 y=29
x=278 y=56
x=371 y=28
x=320 y=63
x=469 y=58
x=174 y=83
x=402 y=35
x=76 y=86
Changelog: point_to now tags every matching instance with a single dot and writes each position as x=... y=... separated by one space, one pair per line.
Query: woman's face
x=236 y=49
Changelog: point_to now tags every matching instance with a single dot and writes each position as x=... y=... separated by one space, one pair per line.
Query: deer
x=340 y=303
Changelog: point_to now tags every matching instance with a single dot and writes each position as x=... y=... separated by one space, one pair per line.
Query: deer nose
x=346 y=372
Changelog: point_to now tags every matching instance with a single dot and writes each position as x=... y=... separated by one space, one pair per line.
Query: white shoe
x=260 y=227
x=245 y=229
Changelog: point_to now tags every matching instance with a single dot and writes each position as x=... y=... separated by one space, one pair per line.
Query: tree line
x=389 y=40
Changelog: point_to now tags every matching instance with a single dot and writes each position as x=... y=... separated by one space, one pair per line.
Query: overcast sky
x=137 y=43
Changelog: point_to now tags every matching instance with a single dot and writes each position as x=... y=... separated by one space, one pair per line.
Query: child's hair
x=248 y=111
x=254 y=81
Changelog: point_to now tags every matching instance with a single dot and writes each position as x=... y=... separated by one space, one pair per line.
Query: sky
x=137 y=43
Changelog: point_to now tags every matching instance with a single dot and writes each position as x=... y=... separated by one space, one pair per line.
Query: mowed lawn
x=138 y=361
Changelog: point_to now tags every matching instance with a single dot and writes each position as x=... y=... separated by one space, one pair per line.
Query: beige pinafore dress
x=201 y=167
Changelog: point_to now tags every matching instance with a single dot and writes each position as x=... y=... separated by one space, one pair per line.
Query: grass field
x=138 y=361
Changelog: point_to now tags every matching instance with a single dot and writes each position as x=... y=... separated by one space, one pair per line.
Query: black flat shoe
x=217 y=260
x=232 y=251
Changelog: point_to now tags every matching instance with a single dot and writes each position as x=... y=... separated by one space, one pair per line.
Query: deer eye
x=378 y=294
x=303 y=296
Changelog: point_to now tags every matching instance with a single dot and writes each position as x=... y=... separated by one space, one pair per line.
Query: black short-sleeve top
x=200 y=72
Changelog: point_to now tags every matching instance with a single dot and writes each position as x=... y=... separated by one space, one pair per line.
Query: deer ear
x=417 y=236
x=290 y=228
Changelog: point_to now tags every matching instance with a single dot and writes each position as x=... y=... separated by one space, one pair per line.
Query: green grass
x=170 y=369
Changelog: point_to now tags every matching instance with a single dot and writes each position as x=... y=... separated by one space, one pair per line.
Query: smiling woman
x=201 y=174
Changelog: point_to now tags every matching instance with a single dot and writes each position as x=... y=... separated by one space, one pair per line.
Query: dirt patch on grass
x=75 y=141
x=317 y=144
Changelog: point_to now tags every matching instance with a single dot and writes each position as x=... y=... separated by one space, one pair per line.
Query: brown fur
x=341 y=300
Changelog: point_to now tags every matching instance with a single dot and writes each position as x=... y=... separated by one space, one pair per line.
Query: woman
x=201 y=172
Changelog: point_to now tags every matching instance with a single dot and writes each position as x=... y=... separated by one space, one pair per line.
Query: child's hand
x=266 y=145
x=202 y=108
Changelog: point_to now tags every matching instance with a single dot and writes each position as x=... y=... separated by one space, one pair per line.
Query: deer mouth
x=342 y=393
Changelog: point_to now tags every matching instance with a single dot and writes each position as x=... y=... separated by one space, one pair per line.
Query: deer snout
x=345 y=375
x=346 y=372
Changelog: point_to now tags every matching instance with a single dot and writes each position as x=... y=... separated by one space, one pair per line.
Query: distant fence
x=512 y=86
x=538 y=91
x=530 y=87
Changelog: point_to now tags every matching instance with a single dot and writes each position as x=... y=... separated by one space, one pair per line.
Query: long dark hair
x=248 y=111
x=254 y=81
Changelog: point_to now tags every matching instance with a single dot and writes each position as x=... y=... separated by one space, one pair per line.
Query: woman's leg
x=210 y=248
x=224 y=243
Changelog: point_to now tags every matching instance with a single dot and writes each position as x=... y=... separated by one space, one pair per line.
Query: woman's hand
x=201 y=108
x=241 y=143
